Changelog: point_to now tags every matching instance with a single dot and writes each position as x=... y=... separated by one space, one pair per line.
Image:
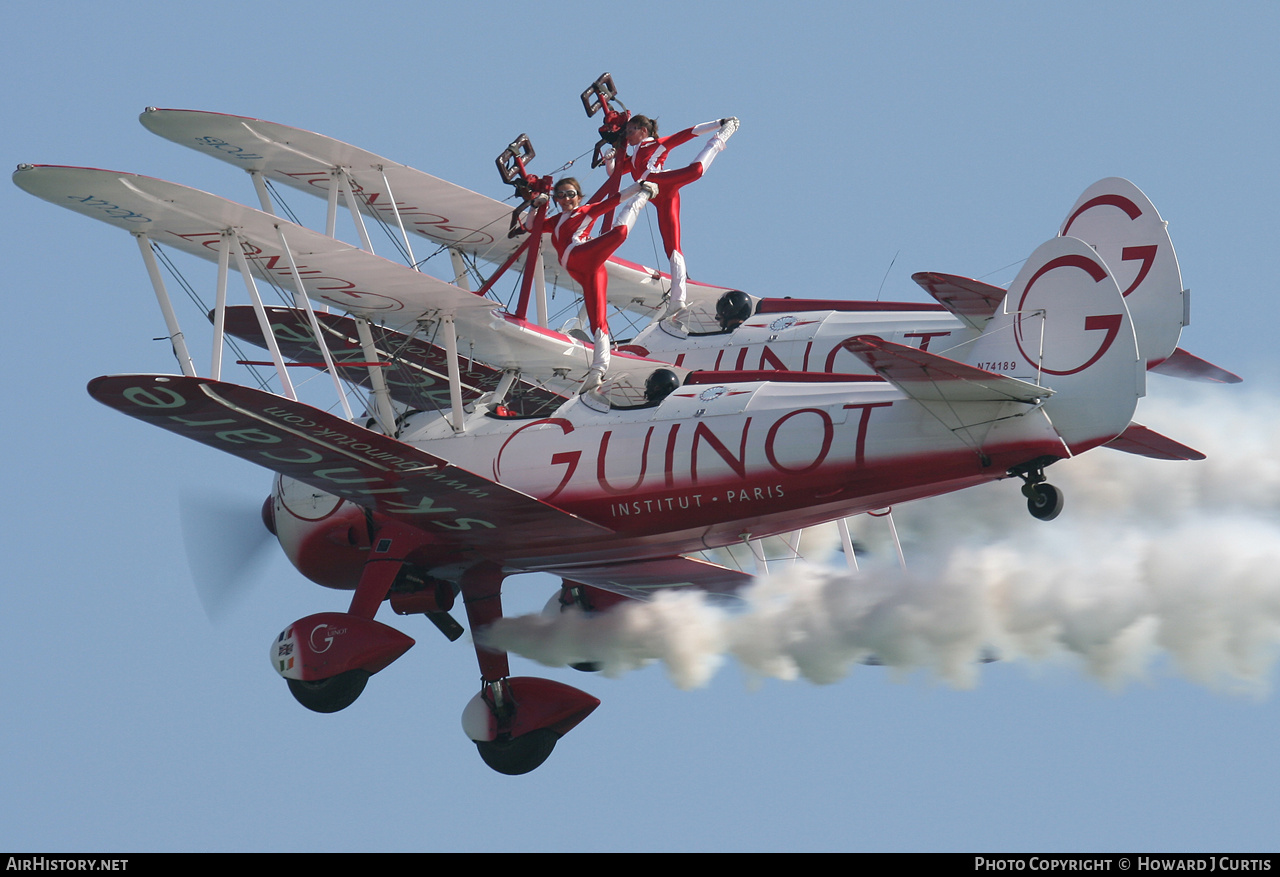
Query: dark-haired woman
x=584 y=257
x=644 y=157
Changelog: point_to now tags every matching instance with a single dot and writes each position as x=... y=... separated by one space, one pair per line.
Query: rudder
x=1065 y=325
x=1125 y=229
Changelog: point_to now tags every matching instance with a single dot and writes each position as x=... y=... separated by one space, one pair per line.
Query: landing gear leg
x=575 y=596
x=514 y=722
x=327 y=658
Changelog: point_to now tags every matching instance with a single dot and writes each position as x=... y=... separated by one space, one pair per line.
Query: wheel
x=519 y=754
x=329 y=695
x=1044 y=501
x=587 y=666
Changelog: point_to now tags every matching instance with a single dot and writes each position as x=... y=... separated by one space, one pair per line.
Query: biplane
x=469 y=454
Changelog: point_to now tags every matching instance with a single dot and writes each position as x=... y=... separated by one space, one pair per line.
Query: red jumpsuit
x=584 y=257
x=646 y=161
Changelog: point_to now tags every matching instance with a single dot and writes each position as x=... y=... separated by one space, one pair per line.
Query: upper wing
x=333 y=455
x=333 y=272
x=428 y=206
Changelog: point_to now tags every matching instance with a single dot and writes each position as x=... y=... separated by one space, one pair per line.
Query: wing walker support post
x=180 y=351
x=534 y=192
x=595 y=99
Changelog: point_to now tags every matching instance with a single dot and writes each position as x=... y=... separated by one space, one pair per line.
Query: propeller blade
x=226 y=544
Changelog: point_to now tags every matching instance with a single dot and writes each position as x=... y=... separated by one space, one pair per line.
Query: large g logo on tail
x=1145 y=254
x=1070 y=301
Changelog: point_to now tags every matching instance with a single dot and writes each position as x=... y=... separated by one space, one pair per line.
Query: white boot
x=716 y=144
x=637 y=196
x=599 y=363
x=679 y=286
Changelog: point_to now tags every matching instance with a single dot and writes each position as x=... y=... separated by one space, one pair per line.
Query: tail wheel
x=518 y=755
x=1044 y=501
x=329 y=695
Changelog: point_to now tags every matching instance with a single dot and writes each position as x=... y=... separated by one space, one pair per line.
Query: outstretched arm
x=688 y=134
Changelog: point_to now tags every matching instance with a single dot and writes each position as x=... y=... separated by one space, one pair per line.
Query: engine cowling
x=325 y=537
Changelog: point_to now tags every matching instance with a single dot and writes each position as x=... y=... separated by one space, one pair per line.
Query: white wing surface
x=429 y=206
x=333 y=272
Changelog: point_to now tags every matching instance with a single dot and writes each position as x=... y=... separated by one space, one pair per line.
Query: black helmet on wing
x=733 y=309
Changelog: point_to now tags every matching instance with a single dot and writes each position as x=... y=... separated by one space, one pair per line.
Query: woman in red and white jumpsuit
x=644 y=157
x=584 y=257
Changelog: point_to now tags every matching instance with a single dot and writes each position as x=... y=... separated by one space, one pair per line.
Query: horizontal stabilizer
x=1190 y=367
x=416 y=370
x=639 y=579
x=339 y=457
x=927 y=377
x=973 y=301
x=1144 y=442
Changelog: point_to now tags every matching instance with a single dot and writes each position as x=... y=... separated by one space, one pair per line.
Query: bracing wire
x=998 y=270
x=181 y=280
x=279 y=200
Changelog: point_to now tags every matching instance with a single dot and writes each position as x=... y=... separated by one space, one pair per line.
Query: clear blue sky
x=954 y=136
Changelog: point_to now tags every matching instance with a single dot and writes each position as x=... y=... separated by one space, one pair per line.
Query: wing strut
x=887 y=514
x=395 y=208
x=220 y=303
x=381 y=396
x=260 y=186
x=540 y=288
x=460 y=278
x=176 y=338
x=455 y=379
x=850 y=552
x=340 y=178
x=331 y=213
x=272 y=344
x=850 y=557
x=301 y=301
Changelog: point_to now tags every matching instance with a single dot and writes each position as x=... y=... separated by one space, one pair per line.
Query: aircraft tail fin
x=1124 y=228
x=1064 y=325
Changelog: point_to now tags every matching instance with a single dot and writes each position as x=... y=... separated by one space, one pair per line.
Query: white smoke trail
x=1149 y=558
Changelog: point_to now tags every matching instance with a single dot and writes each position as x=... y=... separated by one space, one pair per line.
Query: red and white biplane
x=470 y=454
